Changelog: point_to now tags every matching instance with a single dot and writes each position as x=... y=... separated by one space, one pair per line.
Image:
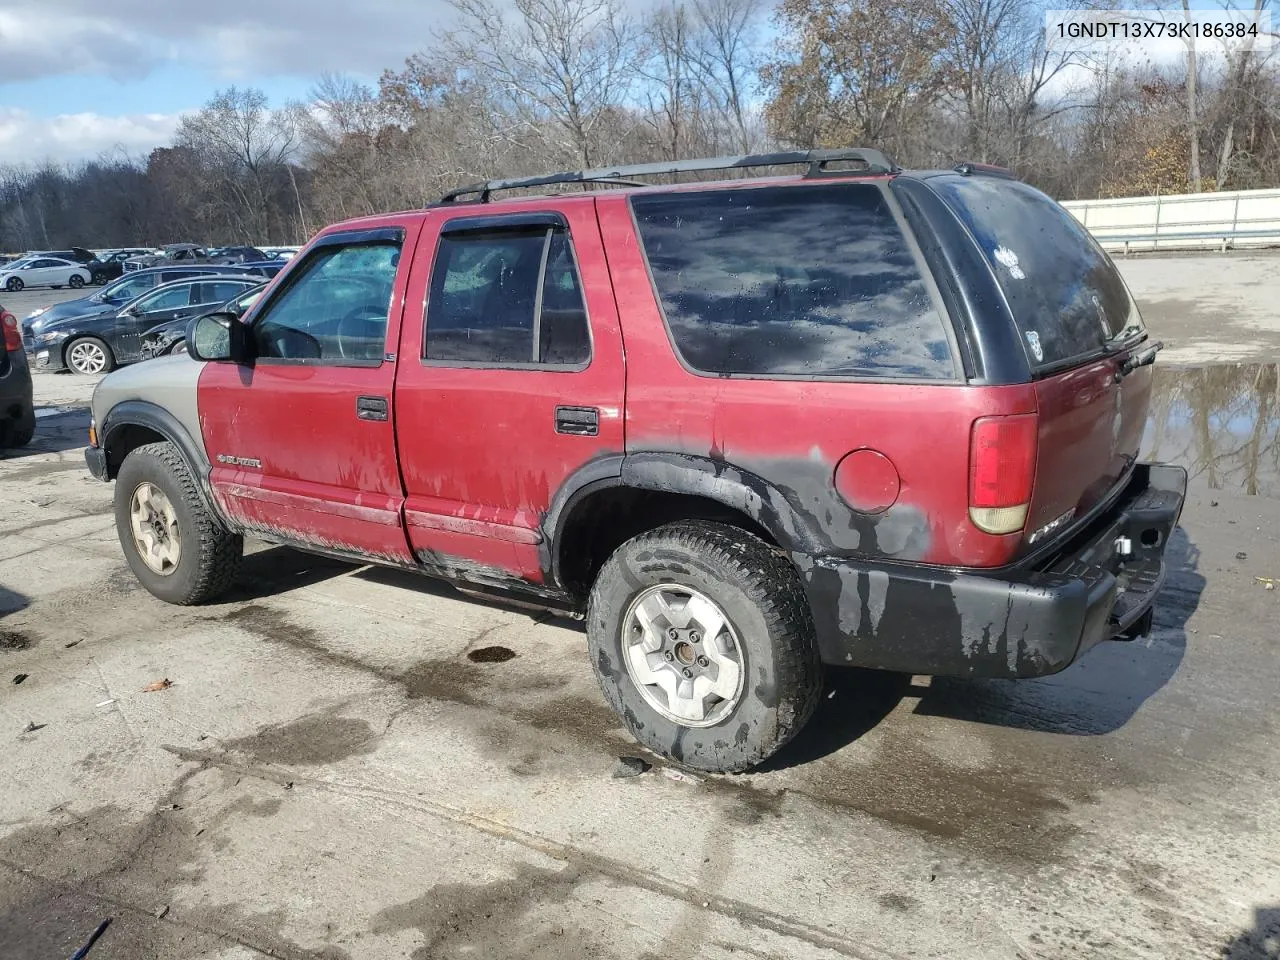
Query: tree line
x=566 y=84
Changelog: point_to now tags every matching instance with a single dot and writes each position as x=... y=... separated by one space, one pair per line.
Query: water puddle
x=1221 y=422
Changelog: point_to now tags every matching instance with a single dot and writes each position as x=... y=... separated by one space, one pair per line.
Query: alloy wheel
x=683 y=655
x=154 y=524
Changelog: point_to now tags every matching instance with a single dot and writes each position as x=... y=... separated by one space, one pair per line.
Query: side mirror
x=219 y=336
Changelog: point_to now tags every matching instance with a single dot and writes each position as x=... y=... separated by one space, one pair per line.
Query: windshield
x=1068 y=299
x=126 y=288
x=19 y=264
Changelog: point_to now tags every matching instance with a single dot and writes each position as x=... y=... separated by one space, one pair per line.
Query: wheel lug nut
x=703 y=661
x=695 y=636
x=669 y=655
x=688 y=674
x=673 y=634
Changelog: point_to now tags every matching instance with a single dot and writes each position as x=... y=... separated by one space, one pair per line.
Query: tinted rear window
x=1066 y=295
x=797 y=280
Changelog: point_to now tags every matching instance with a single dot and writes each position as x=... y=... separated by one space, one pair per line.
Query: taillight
x=12 y=335
x=1002 y=469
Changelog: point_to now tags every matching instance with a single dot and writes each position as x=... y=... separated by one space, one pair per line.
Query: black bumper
x=1007 y=623
x=96 y=460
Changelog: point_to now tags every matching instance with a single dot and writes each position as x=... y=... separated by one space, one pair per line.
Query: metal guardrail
x=1225 y=238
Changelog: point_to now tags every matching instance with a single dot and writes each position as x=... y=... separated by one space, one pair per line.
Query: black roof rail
x=967 y=169
x=816 y=160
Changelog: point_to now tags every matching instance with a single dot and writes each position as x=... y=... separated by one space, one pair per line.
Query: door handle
x=371 y=408
x=579 y=421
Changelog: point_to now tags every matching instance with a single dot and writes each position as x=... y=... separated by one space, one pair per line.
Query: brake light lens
x=12 y=335
x=1002 y=470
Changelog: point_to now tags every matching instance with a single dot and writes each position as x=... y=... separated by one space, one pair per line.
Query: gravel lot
x=331 y=775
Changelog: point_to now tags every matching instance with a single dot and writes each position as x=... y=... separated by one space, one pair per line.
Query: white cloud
x=233 y=39
x=71 y=137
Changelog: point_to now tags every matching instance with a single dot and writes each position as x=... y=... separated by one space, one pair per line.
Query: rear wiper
x=1140 y=358
x=1121 y=339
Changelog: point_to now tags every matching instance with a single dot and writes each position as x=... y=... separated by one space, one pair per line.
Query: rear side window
x=1066 y=295
x=797 y=280
x=507 y=297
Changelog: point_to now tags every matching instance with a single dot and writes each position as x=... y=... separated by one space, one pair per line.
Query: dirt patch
x=14 y=640
x=313 y=740
x=493 y=920
x=491 y=655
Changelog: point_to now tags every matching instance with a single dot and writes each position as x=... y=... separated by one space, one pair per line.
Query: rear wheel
x=75 y=281
x=99 y=278
x=14 y=284
x=176 y=548
x=20 y=431
x=90 y=355
x=702 y=640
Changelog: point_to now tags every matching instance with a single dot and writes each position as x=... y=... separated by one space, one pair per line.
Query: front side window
x=172 y=299
x=792 y=281
x=129 y=288
x=335 y=309
x=507 y=297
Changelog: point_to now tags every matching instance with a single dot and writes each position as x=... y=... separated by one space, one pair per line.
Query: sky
x=79 y=78
x=83 y=77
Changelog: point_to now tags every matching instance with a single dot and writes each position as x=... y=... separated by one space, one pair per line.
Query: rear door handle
x=371 y=408
x=579 y=421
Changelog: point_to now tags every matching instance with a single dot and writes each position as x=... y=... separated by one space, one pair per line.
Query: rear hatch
x=1078 y=324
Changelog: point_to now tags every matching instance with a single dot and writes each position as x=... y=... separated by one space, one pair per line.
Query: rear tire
x=208 y=556
x=89 y=355
x=75 y=282
x=99 y=279
x=19 y=432
x=702 y=574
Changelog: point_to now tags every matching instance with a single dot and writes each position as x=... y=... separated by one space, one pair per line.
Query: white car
x=42 y=272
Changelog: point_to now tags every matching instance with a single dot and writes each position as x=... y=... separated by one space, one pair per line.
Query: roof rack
x=967 y=169
x=816 y=160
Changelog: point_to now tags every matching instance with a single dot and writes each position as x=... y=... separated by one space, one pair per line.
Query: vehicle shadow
x=11 y=601
x=274 y=570
x=1260 y=942
x=1100 y=693
x=854 y=701
x=57 y=429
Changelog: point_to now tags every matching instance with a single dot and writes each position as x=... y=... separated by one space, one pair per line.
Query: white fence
x=1236 y=218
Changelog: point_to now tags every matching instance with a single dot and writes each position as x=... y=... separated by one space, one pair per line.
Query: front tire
x=702 y=641
x=89 y=355
x=179 y=348
x=176 y=548
x=75 y=282
x=14 y=285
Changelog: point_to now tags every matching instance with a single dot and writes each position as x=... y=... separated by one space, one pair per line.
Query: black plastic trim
x=533 y=220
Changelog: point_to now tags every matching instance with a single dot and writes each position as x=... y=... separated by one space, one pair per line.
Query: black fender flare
x=142 y=413
x=678 y=473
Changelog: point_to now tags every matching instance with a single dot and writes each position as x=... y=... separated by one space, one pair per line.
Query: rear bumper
x=1008 y=623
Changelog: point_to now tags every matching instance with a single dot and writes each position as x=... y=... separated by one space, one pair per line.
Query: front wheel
x=702 y=641
x=76 y=281
x=14 y=285
x=176 y=548
x=90 y=355
x=179 y=348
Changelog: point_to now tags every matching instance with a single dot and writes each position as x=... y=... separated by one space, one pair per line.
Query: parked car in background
x=281 y=253
x=74 y=254
x=184 y=253
x=171 y=336
x=236 y=255
x=109 y=264
x=116 y=294
x=100 y=342
x=43 y=272
x=17 y=404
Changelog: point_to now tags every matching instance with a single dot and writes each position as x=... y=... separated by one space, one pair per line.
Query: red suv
x=857 y=416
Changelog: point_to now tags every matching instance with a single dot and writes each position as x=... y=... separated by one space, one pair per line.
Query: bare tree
x=560 y=65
